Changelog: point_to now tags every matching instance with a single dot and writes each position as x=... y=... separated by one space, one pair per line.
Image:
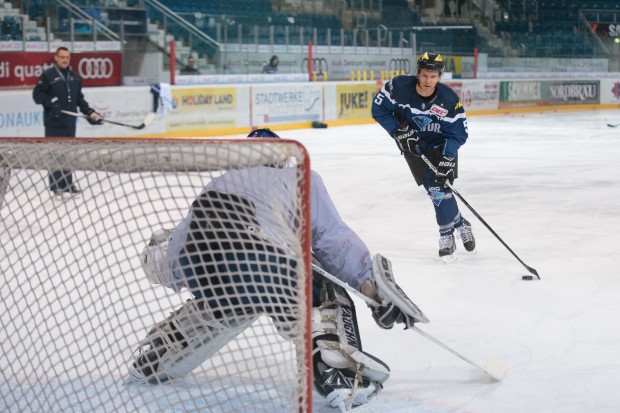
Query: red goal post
x=74 y=300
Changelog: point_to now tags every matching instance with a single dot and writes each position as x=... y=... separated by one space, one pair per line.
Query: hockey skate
x=182 y=342
x=447 y=248
x=467 y=236
x=66 y=193
x=346 y=390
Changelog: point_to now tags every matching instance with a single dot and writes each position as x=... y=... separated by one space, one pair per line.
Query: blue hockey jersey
x=438 y=119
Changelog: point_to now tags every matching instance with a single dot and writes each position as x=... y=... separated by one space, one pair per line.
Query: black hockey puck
x=527 y=277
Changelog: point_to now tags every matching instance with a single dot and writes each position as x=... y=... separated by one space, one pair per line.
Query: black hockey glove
x=445 y=170
x=407 y=140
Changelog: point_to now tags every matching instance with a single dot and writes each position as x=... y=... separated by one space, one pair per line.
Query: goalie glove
x=388 y=315
x=396 y=307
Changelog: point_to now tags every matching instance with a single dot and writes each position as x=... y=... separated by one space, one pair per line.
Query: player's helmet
x=431 y=61
x=263 y=133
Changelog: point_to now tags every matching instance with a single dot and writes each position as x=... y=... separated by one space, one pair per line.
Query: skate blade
x=370 y=405
x=447 y=259
x=134 y=378
x=64 y=196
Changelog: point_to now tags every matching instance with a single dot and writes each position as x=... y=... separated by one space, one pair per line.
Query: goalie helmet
x=263 y=133
x=431 y=61
x=267 y=133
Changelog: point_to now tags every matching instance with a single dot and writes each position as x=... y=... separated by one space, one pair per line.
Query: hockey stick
x=147 y=120
x=346 y=286
x=613 y=125
x=495 y=368
x=455 y=192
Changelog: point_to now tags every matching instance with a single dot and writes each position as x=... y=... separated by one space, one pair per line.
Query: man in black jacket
x=58 y=89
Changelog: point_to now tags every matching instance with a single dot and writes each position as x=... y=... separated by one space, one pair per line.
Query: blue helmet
x=263 y=133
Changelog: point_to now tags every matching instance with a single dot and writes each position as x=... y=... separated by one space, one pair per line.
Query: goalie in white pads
x=203 y=254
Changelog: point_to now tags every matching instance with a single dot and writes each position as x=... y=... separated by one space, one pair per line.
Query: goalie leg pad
x=180 y=343
x=343 y=373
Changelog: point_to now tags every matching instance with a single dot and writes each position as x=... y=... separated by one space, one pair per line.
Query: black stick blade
x=532 y=271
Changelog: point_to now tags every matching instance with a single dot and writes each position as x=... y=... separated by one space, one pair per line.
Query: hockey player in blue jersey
x=229 y=254
x=427 y=117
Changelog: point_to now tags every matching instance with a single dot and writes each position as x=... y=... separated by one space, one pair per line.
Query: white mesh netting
x=75 y=302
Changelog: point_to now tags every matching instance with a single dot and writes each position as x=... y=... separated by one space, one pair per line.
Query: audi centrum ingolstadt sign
x=400 y=65
x=95 y=69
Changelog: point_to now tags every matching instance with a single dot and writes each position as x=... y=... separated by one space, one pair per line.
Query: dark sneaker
x=467 y=236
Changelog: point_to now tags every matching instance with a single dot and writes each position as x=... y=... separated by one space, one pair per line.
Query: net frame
x=110 y=156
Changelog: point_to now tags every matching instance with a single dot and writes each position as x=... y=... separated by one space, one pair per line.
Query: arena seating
x=528 y=27
x=553 y=27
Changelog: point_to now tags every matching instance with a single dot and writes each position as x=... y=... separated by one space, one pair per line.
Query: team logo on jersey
x=421 y=121
x=439 y=111
x=458 y=105
x=436 y=195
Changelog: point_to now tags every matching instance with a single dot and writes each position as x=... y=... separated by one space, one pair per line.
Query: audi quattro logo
x=319 y=65
x=400 y=65
x=96 y=68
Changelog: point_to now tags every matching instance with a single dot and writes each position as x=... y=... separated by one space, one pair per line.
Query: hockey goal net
x=75 y=301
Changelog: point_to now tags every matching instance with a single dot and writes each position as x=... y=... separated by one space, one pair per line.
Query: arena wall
x=229 y=109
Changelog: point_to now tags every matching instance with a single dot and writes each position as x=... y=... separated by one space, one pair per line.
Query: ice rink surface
x=547 y=183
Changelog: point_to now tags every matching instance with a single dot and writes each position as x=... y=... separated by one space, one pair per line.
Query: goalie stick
x=352 y=290
x=455 y=192
x=386 y=284
x=147 y=120
x=495 y=368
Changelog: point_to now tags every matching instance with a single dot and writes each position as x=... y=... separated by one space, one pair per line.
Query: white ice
x=548 y=186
